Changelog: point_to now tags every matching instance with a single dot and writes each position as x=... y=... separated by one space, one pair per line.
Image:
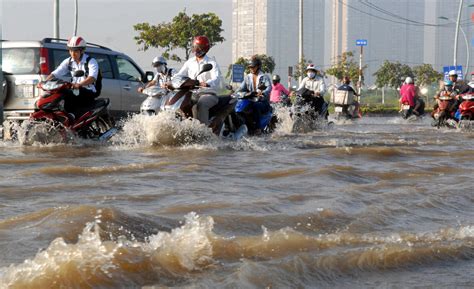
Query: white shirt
x=316 y=84
x=63 y=70
x=162 y=78
x=192 y=67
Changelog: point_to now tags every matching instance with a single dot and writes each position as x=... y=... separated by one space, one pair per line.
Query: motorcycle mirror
x=205 y=68
x=78 y=73
x=149 y=76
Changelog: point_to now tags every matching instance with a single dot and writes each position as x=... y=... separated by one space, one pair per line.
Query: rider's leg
x=201 y=109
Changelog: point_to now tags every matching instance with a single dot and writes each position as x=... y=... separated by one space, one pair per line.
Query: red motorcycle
x=94 y=123
x=466 y=108
x=443 y=114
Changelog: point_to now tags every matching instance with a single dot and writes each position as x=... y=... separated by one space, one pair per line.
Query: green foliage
x=268 y=64
x=392 y=74
x=426 y=75
x=179 y=33
x=300 y=68
x=346 y=65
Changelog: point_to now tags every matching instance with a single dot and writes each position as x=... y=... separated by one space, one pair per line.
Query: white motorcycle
x=155 y=101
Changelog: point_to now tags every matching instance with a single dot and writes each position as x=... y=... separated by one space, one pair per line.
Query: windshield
x=20 y=60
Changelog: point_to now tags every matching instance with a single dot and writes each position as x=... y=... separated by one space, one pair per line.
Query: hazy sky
x=110 y=22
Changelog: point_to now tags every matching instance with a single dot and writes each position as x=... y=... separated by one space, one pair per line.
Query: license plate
x=338 y=109
x=27 y=91
x=406 y=107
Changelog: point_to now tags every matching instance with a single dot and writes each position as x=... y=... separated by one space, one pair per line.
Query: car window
x=20 y=60
x=58 y=57
x=104 y=64
x=128 y=71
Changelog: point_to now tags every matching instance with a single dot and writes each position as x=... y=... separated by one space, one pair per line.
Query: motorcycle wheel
x=44 y=132
x=98 y=127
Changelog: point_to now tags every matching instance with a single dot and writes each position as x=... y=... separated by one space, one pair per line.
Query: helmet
x=254 y=62
x=452 y=73
x=311 y=67
x=159 y=60
x=276 y=77
x=201 y=45
x=76 y=42
x=448 y=83
x=408 y=80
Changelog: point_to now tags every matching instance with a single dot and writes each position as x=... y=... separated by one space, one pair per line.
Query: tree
x=392 y=74
x=426 y=75
x=300 y=68
x=179 y=33
x=346 y=65
x=268 y=63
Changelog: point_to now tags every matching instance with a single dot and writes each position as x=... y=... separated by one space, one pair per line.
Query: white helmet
x=158 y=60
x=76 y=42
x=311 y=67
x=408 y=80
x=452 y=72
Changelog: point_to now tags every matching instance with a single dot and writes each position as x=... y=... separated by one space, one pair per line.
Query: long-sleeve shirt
x=408 y=93
x=316 y=84
x=193 y=66
x=277 y=90
x=262 y=79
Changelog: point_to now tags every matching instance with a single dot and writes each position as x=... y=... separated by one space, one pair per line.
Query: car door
x=111 y=85
x=131 y=79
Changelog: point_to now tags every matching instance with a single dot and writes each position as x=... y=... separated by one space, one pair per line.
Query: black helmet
x=254 y=62
x=276 y=77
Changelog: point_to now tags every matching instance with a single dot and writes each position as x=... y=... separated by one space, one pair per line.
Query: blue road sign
x=361 y=42
x=458 y=69
x=238 y=73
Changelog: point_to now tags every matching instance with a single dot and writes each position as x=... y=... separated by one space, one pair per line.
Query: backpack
x=98 y=81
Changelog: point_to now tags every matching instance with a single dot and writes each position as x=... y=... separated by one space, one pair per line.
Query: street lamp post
x=457 y=33
x=455 y=41
x=76 y=12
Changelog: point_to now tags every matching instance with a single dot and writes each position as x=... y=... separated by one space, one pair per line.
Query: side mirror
x=205 y=68
x=78 y=73
x=149 y=75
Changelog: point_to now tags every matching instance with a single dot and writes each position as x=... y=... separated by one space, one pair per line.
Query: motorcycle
x=345 y=105
x=443 y=114
x=241 y=121
x=156 y=98
x=308 y=112
x=186 y=92
x=94 y=123
x=465 y=113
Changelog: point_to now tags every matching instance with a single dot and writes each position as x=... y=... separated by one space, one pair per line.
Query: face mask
x=160 y=69
x=311 y=74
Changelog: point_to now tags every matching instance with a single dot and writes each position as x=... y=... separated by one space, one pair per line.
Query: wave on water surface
x=187 y=251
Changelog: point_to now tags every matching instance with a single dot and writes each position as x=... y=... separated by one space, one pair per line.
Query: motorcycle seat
x=224 y=100
x=101 y=102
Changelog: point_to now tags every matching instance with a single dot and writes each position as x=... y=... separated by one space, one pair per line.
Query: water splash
x=162 y=130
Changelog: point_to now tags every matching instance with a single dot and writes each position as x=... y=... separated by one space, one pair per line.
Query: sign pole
x=359 y=84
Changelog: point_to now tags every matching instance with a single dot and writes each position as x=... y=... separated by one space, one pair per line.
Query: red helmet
x=76 y=42
x=201 y=45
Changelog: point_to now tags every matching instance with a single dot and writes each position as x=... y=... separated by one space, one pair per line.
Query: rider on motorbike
x=259 y=83
x=163 y=73
x=279 y=92
x=86 y=83
x=315 y=88
x=346 y=86
x=211 y=79
x=408 y=93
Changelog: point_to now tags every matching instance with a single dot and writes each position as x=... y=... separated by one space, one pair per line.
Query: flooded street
x=374 y=203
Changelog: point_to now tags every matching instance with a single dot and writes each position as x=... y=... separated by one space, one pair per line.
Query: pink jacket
x=277 y=90
x=408 y=93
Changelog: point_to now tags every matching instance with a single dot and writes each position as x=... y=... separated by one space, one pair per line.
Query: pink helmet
x=76 y=42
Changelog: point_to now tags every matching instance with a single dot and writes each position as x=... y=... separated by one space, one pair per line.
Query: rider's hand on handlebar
x=140 y=89
x=203 y=84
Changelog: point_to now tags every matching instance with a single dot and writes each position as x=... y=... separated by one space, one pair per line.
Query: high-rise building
x=271 y=27
x=410 y=32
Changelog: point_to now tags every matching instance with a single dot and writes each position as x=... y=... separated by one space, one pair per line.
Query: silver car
x=26 y=63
